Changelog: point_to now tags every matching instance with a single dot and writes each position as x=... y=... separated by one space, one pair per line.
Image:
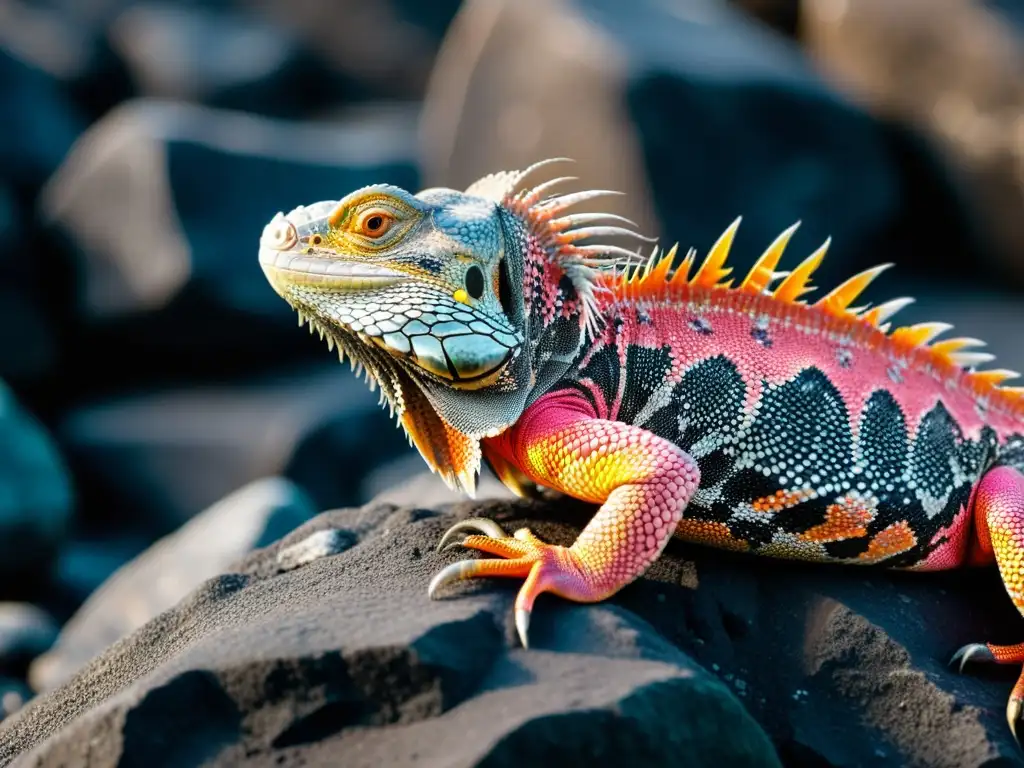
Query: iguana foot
x=546 y=567
x=999 y=533
x=998 y=654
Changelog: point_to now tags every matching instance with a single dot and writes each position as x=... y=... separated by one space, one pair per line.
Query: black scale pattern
x=800 y=438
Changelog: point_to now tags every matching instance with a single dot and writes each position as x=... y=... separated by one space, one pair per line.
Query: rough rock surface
x=250 y=518
x=345 y=659
x=175 y=452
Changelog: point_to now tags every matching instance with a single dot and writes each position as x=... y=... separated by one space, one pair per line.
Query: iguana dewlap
x=729 y=412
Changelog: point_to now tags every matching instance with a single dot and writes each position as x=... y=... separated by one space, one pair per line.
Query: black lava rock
x=218 y=57
x=162 y=206
x=36 y=500
x=379 y=51
x=342 y=658
x=250 y=518
x=67 y=41
x=345 y=661
x=174 y=452
x=697 y=112
x=39 y=124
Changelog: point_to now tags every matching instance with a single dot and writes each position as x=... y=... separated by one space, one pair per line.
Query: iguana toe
x=477 y=524
x=544 y=568
x=999 y=654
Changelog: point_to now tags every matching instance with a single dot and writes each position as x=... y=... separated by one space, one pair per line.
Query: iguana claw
x=544 y=567
x=1013 y=711
x=999 y=654
x=976 y=651
x=477 y=524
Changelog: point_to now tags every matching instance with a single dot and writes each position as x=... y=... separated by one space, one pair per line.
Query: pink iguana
x=500 y=326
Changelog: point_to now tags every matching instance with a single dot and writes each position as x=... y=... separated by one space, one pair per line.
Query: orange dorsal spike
x=797 y=282
x=656 y=278
x=918 y=335
x=761 y=273
x=837 y=301
x=947 y=347
x=664 y=265
x=995 y=376
x=878 y=315
x=682 y=275
x=651 y=277
x=713 y=270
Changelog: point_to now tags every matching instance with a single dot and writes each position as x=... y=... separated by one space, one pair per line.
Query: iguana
x=500 y=326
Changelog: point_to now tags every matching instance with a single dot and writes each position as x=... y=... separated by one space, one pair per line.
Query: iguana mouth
x=297 y=268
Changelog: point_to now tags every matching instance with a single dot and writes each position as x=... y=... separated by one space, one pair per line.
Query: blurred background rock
x=150 y=371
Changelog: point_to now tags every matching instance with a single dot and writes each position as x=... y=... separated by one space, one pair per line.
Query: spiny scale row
x=658 y=272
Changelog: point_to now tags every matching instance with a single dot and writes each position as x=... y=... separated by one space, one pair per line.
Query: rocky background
x=172 y=591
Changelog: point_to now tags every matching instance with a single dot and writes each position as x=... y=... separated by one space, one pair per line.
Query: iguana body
x=729 y=413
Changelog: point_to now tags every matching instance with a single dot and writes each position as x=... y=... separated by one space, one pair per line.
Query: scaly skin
x=733 y=415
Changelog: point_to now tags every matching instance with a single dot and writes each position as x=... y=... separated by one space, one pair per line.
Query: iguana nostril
x=279 y=234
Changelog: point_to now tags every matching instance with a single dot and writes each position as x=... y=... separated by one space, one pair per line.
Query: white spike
x=609 y=250
x=607 y=231
x=535 y=194
x=651 y=261
x=576 y=219
x=330 y=342
x=584 y=232
x=971 y=359
x=889 y=308
x=969 y=342
x=560 y=203
x=521 y=176
x=302 y=318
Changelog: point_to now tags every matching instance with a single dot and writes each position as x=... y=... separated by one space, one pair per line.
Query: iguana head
x=461 y=306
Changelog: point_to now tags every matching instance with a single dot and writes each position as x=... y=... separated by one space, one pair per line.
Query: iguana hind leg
x=643 y=483
x=999 y=527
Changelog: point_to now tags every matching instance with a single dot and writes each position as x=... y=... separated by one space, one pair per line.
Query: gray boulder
x=156 y=580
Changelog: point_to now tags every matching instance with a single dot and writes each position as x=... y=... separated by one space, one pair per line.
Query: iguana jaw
x=294 y=268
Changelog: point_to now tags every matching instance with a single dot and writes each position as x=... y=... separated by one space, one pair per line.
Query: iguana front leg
x=999 y=531
x=643 y=483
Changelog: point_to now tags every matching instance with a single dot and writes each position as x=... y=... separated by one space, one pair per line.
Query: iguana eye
x=475 y=281
x=374 y=223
